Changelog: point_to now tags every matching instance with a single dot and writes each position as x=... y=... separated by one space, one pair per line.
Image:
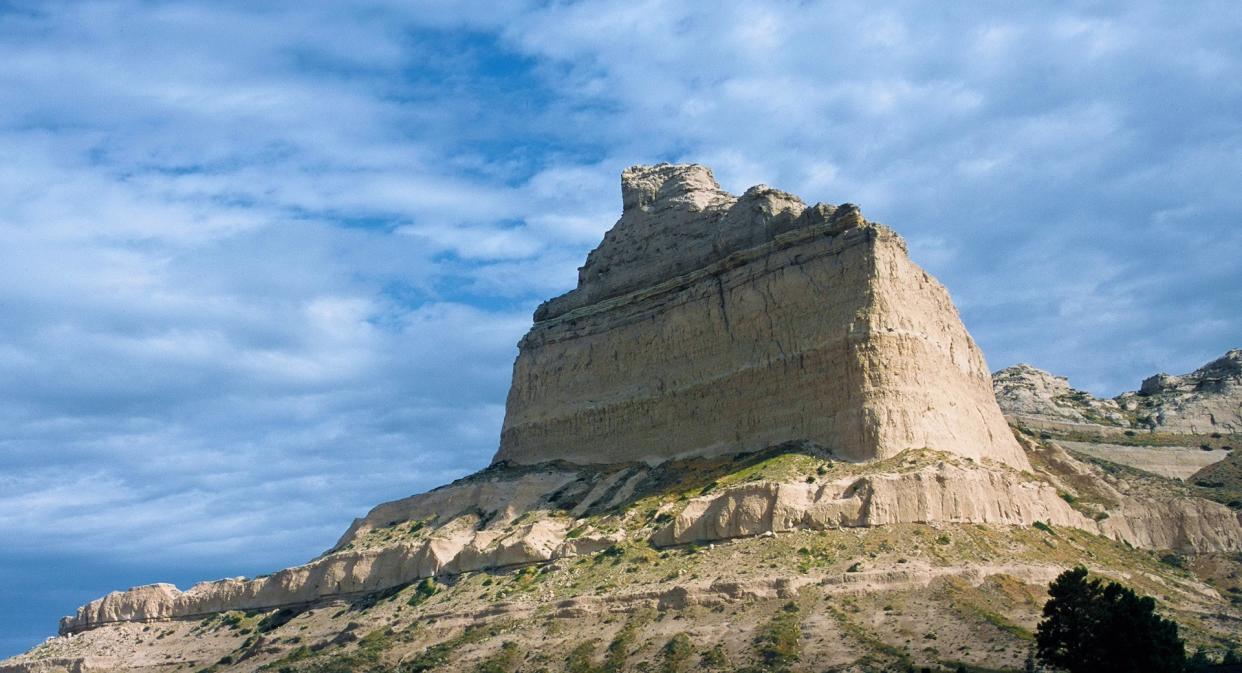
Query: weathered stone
x=1207 y=400
x=946 y=490
x=705 y=324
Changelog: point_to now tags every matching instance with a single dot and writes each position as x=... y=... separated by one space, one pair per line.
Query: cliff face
x=706 y=324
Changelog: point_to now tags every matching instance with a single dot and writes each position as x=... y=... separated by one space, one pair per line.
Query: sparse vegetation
x=441 y=653
x=940 y=625
x=677 y=654
x=779 y=643
x=506 y=660
x=579 y=660
x=714 y=658
x=422 y=591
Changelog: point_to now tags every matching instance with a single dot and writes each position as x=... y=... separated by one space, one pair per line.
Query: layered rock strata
x=706 y=324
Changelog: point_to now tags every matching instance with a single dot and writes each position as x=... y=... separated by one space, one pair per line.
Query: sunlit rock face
x=706 y=323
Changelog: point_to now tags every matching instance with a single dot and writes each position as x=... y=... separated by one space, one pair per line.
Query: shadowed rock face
x=706 y=324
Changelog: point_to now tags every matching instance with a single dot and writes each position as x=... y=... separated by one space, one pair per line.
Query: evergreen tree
x=1199 y=661
x=1091 y=626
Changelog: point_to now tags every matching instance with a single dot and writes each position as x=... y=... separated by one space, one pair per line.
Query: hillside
x=645 y=569
x=756 y=436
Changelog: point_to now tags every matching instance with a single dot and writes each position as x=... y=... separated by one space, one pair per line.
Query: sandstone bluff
x=747 y=407
x=707 y=324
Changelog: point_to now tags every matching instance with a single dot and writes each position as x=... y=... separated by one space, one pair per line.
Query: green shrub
x=422 y=591
x=579 y=660
x=1175 y=560
x=441 y=653
x=276 y=620
x=619 y=649
x=506 y=660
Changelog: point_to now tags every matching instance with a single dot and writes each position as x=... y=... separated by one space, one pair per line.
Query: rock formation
x=1205 y=401
x=707 y=324
x=1034 y=395
x=1172 y=426
x=729 y=372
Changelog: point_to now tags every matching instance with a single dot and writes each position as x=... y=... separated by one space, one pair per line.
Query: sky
x=265 y=265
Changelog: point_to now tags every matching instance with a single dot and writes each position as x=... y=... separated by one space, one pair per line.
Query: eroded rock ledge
x=508 y=516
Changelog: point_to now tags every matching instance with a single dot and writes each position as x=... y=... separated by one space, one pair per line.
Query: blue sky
x=261 y=269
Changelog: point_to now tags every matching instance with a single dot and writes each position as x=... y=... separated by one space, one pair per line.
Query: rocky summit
x=755 y=436
x=709 y=324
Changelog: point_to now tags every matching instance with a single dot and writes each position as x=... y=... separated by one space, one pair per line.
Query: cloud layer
x=261 y=269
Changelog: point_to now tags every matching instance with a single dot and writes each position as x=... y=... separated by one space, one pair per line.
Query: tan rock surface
x=920 y=487
x=1206 y=400
x=1175 y=462
x=1026 y=392
x=705 y=325
x=937 y=493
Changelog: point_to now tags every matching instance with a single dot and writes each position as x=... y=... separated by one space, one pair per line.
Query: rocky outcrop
x=711 y=334
x=1173 y=426
x=1204 y=402
x=706 y=324
x=1180 y=523
x=1029 y=394
x=556 y=514
x=942 y=492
